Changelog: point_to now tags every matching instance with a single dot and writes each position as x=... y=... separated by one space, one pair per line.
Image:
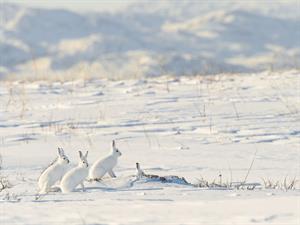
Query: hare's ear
x=113 y=144
x=86 y=154
x=59 y=151
x=80 y=154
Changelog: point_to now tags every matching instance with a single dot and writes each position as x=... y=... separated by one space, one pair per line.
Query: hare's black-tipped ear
x=113 y=144
x=80 y=154
x=86 y=154
x=59 y=151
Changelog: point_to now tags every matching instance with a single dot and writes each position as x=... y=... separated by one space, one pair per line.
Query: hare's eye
x=117 y=150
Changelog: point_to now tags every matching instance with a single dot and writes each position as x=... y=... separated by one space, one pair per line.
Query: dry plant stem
x=235 y=110
x=250 y=166
x=1 y=161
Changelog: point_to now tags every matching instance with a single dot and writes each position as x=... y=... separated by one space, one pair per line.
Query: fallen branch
x=163 y=179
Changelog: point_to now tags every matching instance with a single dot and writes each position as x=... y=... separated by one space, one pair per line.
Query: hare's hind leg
x=55 y=189
x=42 y=193
x=45 y=189
x=82 y=186
x=112 y=174
x=97 y=174
x=98 y=179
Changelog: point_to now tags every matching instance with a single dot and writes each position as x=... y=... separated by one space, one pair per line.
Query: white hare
x=53 y=173
x=75 y=176
x=105 y=165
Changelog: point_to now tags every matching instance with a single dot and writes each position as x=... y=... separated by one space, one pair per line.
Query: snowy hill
x=171 y=37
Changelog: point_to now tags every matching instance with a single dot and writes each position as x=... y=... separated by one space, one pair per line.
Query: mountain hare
x=105 y=165
x=53 y=173
x=75 y=176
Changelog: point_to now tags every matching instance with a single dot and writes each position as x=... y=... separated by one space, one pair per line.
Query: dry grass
x=11 y=197
x=282 y=185
x=285 y=184
x=225 y=185
x=4 y=182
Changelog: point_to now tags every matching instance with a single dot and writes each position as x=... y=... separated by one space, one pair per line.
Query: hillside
x=178 y=38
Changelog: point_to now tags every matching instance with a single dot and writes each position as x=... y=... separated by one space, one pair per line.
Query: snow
x=195 y=91
x=147 y=39
x=193 y=127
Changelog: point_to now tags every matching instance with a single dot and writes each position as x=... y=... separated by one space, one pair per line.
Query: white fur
x=75 y=176
x=53 y=173
x=105 y=165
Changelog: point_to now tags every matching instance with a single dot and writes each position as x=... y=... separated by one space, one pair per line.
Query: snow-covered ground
x=79 y=80
x=195 y=127
x=149 y=39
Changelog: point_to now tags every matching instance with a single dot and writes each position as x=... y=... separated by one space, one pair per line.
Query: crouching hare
x=53 y=173
x=75 y=176
x=105 y=165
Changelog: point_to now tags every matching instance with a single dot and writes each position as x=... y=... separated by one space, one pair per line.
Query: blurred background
x=71 y=39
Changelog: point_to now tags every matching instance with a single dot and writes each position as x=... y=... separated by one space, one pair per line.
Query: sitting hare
x=105 y=165
x=53 y=173
x=76 y=176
